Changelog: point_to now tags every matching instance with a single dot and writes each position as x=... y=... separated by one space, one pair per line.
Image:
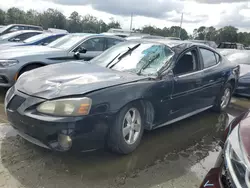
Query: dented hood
x=71 y=78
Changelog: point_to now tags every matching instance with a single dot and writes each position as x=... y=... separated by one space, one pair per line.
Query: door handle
x=198 y=82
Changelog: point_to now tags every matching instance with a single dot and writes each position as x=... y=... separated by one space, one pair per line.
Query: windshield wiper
x=112 y=60
x=129 y=51
x=147 y=64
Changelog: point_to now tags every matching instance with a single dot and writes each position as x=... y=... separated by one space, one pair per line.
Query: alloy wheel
x=131 y=126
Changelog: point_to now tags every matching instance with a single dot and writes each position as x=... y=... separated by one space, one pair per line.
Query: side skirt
x=182 y=117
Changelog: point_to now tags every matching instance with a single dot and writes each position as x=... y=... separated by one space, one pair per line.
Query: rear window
x=209 y=58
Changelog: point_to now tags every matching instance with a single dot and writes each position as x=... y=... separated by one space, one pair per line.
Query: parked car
x=17 y=27
x=232 y=166
x=243 y=88
x=40 y=39
x=231 y=45
x=18 y=36
x=17 y=60
x=212 y=44
x=110 y=100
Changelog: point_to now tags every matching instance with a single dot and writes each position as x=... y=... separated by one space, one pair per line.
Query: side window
x=50 y=39
x=94 y=44
x=187 y=63
x=111 y=42
x=16 y=28
x=26 y=36
x=209 y=58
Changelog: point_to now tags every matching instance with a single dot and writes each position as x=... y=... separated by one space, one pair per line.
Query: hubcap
x=131 y=126
x=225 y=98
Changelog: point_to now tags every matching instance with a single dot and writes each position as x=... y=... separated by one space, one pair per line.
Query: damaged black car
x=109 y=102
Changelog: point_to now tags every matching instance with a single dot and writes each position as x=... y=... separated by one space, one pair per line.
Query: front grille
x=226 y=181
x=15 y=102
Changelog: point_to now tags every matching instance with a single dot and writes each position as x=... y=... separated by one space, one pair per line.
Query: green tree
x=15 y=15
x=74 y=22
x=2 y=17
x=227 y=34
x=113 y=24
x=31 y=17
x=52 y=18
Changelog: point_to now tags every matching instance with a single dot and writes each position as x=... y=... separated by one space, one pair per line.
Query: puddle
x=6 y=131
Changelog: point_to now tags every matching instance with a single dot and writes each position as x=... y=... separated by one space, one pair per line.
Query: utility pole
x=131 y=22
x=181 y=25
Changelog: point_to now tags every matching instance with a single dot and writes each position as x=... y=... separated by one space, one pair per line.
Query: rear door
x=213 y=75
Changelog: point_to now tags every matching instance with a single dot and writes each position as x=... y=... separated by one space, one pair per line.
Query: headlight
x=235 y=162
x=8 y=62
x=66 y=107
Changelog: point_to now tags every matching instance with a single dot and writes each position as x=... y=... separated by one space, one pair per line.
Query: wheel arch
x=148 y=111
x=28 y=64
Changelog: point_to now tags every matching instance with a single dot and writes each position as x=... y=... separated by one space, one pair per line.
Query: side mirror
x=44 y=43
x=16 y=40
x=82 y=50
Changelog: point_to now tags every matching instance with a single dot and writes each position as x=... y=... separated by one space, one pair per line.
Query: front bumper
x=215 y=176
x=219 y=176
x=7 y=76
x=87 y=133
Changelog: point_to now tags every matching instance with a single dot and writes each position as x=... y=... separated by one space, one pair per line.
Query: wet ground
x=175 y=156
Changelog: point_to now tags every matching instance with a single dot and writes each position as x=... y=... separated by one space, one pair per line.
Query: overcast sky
x=160 y=13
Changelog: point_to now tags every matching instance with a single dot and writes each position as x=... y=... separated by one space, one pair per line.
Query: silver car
x=17 y=60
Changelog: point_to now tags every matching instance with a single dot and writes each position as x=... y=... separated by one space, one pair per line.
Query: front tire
x=224 y=98
x=126 y=132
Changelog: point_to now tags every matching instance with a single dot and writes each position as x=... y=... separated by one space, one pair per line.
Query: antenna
x=131 y=23
x=181 y=25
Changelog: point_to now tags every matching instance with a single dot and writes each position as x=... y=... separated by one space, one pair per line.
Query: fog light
x=64 y=141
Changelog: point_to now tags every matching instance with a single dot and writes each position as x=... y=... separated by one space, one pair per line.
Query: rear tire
x=127 y=130
x=224 y=98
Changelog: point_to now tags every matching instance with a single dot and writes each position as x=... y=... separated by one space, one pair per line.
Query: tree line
x=225 y=34
x=52 y=18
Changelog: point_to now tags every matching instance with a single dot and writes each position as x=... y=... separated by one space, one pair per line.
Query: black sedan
x=111 y=100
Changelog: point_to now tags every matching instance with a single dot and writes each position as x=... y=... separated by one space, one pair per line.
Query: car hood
x=71 y=78
x=19 y=51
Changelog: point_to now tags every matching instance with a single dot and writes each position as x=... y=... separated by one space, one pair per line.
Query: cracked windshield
x=124 y=94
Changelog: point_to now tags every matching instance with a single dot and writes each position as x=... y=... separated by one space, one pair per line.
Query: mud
x=178 y=155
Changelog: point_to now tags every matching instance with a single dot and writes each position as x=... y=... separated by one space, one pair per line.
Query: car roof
x=27 y=31
x=25 y=25
x=170 y=43
x=95 y=34
x=179 y=45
